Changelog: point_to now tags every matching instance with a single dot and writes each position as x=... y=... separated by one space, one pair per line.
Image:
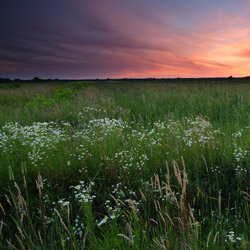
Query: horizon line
x=119 y=79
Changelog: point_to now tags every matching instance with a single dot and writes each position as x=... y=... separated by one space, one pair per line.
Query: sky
x=79 y=39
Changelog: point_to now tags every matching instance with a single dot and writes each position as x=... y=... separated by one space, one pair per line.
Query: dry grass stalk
x=61 y=221
x=219 y=203
x=184 y=218
x=157 y=183
x=182 y=179
x=2 y=209
x=20 y=242
x=124 y=236
x=176 y=141
x=142 y=195
x=39 y=185
x=177 y=173
x=85 y=238
x=21 y=232
x=161 y=245
x=117 y=201
x=168 y=174
x=12 y=246
x=154 y=221
x=247 y=197
x=21 y=205
x=130 y=235
x=68 y=213
x=132 y=206
x=208 y=238
x=186 y=246
x=131 y=241
x=156 y=206
x=1 y=225
x=215 y=237
x=17 y=187
x=169 y=218
x=164 y=221
x=8 y=200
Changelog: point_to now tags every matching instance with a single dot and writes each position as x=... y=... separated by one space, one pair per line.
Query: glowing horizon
x=132 y=39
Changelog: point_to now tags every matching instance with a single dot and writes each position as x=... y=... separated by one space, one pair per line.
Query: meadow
x=125 y=164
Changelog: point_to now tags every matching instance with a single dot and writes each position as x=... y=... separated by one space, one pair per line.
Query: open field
x=125 y=165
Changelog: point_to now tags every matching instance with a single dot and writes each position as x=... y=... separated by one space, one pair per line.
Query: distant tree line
x=151 y=79
x=35 y=79
x=5 y=80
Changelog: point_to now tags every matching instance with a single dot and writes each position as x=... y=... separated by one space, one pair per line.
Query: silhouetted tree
x=5 y=80
x=36 y=79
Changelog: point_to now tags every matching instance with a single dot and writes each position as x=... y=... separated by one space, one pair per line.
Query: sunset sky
x=124 y=38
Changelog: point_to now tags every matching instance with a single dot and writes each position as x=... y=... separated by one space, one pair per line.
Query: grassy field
x=125 y=165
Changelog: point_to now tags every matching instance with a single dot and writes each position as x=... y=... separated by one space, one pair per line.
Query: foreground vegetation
x=120 y=165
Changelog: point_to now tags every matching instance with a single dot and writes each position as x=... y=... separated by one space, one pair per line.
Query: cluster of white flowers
x=128 y=159
x=216 y=169
x=83 y=192
x=199 y=131
x=240 y=151
x=159 y=194
x=80 y=154
x=63 y=202
x=195 y=131
x=241 y=170
x=92 y=109
x=40 y=140
x=103 y=221
x=231 y=237
x=37 y=140
x=90 y=112
x=107 y=125
x=121 y=200
x=78 y=226
x=98 y=130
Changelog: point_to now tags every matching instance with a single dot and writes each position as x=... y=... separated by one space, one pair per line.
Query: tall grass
x=113 y=165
